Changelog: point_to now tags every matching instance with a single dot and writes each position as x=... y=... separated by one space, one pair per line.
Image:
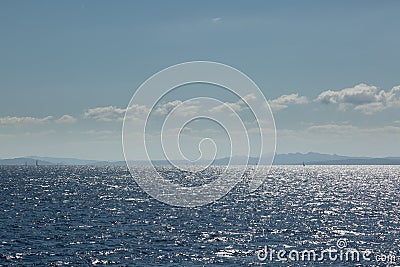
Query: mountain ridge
x=310 y=158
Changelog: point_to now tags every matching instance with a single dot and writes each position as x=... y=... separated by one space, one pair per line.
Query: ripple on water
x=98 y=216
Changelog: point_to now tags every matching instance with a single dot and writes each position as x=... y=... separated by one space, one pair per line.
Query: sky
x=329 y=69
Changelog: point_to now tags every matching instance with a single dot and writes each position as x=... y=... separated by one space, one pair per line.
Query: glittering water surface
x=99 y=216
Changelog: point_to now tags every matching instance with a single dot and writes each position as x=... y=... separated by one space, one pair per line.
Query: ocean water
x=99 y=216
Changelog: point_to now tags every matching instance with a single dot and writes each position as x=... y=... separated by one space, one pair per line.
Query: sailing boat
x=304 y=164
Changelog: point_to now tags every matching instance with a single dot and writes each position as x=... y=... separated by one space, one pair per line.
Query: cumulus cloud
x=24 y=120
x=362 y=97
x=166 y=108
x=109 y=113
x=139 y=112
x=227 y=106
x=112 y=113
x=187 y=108
x=248 y=98
x=236 y=106
x=12 y=120
x=66 y=119
x=284 y=101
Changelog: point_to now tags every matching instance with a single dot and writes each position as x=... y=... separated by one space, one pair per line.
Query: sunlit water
x=99 y=216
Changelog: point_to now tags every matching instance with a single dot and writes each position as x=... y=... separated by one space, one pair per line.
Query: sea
x=300 y=216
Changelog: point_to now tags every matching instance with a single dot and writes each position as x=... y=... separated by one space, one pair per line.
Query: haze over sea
x=70 y=215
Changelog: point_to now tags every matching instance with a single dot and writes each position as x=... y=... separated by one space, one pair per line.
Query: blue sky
x=63 y=59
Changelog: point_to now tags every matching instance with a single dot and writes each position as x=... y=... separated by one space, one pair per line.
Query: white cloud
x=24 y=120
x=137 y=112
x=111 y=113
x=284 y=101
x=236 y=106
x=187 y=108
x=166 y=108
x=249 y=97
x=216 y=20
x=66 y=119
x=13 y=120
x=226 y=107
x=362 y=97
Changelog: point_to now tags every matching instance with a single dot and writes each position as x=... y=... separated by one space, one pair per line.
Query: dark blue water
x=98 y=216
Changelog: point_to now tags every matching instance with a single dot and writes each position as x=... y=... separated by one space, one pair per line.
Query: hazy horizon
x=328 y=70
x=122 y=159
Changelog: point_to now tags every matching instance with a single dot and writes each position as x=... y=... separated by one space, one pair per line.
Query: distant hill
x=65 y=161
x=310 y=158
x=23 y=161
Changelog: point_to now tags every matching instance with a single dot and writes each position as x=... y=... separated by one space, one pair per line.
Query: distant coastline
x=310 y=158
